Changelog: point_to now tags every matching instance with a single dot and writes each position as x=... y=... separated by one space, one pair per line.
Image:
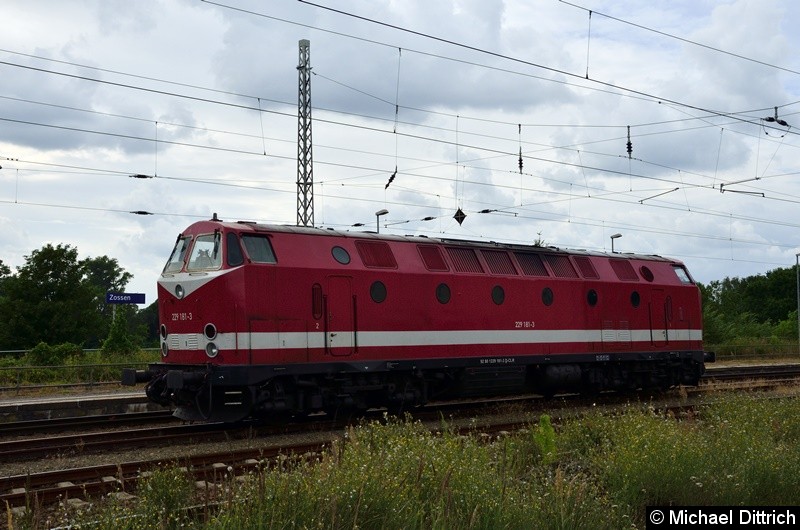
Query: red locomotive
x=257 y=319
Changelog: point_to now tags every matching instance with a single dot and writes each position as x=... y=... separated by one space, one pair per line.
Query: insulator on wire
x=520 y=161
x=391 y=178
x=629 y=144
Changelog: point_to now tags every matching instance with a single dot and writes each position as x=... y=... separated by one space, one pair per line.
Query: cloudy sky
x=202 y=97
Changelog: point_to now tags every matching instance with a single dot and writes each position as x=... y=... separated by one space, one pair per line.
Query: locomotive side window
x=235 y=256
x=443 y=293
x=316 y=301
x=340 y=255
x=498 y=295
x=259 y=249
x=175 y=262
x=591 y=297
x=206 y=253
x=377 y=292
x=547 y=296
x=635 y=299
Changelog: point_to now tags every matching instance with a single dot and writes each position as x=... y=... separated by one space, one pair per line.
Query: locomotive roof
x=421 y=239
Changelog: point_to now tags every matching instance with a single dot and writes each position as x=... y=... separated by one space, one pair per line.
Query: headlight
x=210 y=331
x=212 y=350
x=164 y=349
x=179 y=292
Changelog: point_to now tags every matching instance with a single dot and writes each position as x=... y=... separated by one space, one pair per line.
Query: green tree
x=146 y=320
x=119 y=338
x=787 y=329
x=5 y=329
x=767 y=297
x=55 y=298
x=103 y=274
x=762 y=306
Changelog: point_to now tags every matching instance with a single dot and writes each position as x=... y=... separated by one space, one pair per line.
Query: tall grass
x=594 y=472
x=399 y=475
x=737 y=452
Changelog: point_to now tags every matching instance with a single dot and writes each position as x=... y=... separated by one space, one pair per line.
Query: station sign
x=125 y=298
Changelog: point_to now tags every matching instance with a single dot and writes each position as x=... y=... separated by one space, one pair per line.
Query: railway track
x=766 y=372
x=213 y=468
x=84 y=423
x=51 y=486
x=28 y=449
x=57 y=486
x=159 y=432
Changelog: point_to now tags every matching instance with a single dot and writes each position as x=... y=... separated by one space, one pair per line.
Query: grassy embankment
x=596 y=472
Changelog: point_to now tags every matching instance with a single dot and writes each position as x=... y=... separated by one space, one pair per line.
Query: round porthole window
x=498 y=295
x=547 y=296
x=377 y=292
x=635 y=299
x=340 y=255
x=646 y=273
x=443 y=293
x=591 y=297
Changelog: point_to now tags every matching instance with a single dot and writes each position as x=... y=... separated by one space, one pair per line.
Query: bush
x=45 y=355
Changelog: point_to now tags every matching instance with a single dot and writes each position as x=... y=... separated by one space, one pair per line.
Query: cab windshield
x=682 y=274
x=206 y=253
x=175 y=262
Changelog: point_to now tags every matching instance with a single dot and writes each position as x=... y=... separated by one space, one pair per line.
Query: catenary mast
x=305 y=171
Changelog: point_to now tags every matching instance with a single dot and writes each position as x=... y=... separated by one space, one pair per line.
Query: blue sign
x=124 y=298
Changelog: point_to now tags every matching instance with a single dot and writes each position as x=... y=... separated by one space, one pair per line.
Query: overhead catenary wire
x=682 y=39
x=465 y=118
x=653 y=97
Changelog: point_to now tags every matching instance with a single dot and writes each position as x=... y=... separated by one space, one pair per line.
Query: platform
x=22 y=408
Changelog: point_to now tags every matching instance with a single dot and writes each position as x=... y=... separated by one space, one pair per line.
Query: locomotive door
x=340 y=317
x=659 y=318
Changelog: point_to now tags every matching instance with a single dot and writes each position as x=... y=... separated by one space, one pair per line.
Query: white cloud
x=578 y=185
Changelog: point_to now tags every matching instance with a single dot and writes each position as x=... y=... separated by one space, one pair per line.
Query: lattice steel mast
x=305 y=161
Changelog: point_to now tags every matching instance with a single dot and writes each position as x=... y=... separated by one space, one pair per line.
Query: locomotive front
x=201 y=297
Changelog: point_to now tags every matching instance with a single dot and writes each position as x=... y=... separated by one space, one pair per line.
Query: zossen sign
x=124 y=298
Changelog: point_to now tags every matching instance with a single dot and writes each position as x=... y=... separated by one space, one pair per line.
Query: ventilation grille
x=183 y=342
x=531 y=264
x=561 y=266
x=432 y=257
x=376 y=254
x=499 y=262
x=464 y=259
x=586 y=267
x=624 y=270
